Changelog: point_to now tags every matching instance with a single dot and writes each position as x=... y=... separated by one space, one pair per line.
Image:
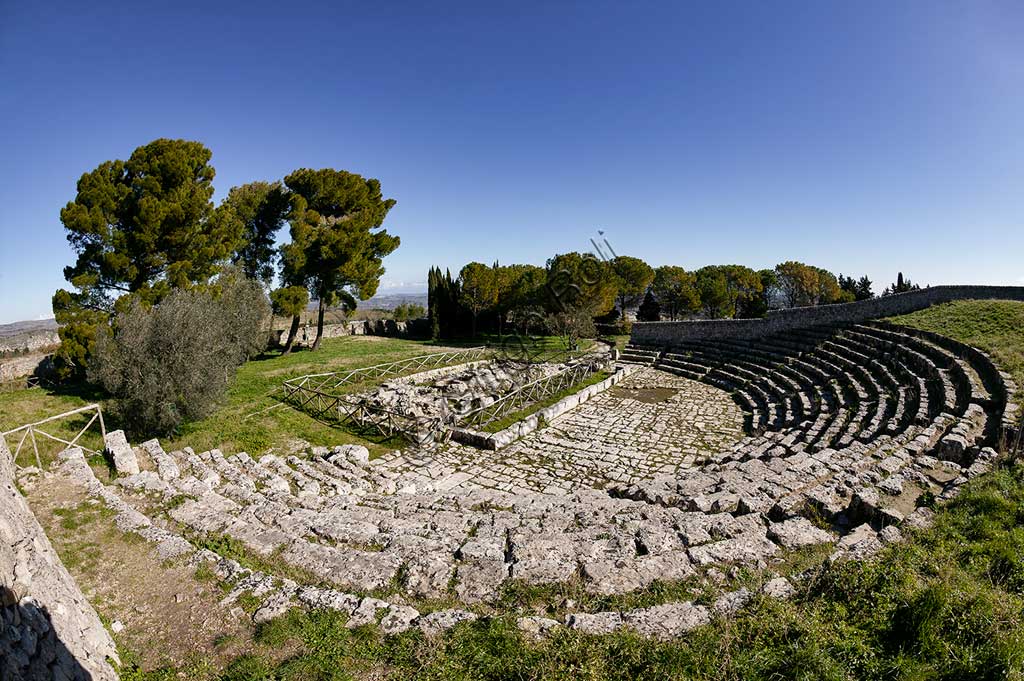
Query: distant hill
x=389 y=301
x=27 y=327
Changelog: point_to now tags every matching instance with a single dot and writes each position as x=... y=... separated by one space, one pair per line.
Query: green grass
x=516 y=416
x=995 y=326
x=250 y=419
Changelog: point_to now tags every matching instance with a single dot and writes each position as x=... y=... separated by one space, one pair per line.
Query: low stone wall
x=495 y=441
x=20 y=367
x=49 y=629
x=415 y=328
x=779 y=321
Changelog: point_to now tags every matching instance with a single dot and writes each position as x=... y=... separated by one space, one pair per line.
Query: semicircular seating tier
x=851 y=430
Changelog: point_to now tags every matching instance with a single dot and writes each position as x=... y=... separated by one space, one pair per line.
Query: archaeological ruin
x=695 y=450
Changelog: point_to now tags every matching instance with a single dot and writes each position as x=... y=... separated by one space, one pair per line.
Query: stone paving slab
x=652 y=423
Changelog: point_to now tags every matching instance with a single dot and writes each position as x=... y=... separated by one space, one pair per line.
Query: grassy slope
x=946 y=604
x=995 y=326
x=248 y=420
x=250 y=392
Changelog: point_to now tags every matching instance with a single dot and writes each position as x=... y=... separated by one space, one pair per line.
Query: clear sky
x=864 y=137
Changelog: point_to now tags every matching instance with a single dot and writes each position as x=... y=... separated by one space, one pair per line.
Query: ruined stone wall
x=20 y=367
x=779 y=321
x=415 y=328
x=49 y=629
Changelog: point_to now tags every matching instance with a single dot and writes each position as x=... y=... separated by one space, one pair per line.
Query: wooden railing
x=333 y=380
x=30 y=430
x=530 y=393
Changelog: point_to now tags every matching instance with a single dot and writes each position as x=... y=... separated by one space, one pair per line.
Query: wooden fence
x=30 y=430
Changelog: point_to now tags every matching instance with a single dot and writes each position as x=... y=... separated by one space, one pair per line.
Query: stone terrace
x=845 y=429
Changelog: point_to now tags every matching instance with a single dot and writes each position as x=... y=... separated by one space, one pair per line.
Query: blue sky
x=864 y=137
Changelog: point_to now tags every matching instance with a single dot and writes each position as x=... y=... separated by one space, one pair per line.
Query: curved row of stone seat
x=639 y=354
x=653 y=535
x=839 y=385
x=467 y=543
x=917 y=419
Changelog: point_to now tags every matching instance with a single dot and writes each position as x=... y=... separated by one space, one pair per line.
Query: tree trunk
x=292 y=332
x=319 y=325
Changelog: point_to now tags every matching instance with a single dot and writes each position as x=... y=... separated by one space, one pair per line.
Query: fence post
x=39 y=463
x=103 y=426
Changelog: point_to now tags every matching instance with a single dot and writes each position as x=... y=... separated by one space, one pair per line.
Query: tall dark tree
x=433 y=302
x=864 y=291
x=140 y=228
x=901 y=286
x=649 y=310
x=338 y=243
x=259 y=209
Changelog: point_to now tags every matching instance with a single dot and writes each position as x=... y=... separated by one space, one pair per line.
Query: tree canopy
x=580 y=281
x=479 y=286
x=338 y=245
x=676 y=291
x=139 y=228
x=632 y=279
x=259 y=210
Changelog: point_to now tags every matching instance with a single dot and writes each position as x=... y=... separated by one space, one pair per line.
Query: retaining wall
x=49 y=629
x=779 y=321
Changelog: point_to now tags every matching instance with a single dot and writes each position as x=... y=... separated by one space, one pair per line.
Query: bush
x=172 y=363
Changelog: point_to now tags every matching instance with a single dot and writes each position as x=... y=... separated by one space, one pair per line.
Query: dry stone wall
x=781 y=321
x=49 y=629
x=416 y=328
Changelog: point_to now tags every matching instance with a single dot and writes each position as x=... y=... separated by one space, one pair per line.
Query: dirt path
x=170 y=615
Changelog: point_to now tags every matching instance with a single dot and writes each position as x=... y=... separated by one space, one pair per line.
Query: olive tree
x=139 y=229
x=172 y=362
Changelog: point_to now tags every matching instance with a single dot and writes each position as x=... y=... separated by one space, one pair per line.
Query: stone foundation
x=50 y=630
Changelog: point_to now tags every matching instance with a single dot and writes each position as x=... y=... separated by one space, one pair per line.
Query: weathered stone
x=536 y=626
x=753 y=547
x=778 y=588
x=731 y=603
x=398 y=618
x=798 y=532
x=125 y=461
x=667 y=621
x=438 y=622
x=596 y=623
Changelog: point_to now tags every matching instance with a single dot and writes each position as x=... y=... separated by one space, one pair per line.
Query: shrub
x=172 y=363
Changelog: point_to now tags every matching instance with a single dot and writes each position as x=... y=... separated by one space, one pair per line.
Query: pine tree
x=650 y=310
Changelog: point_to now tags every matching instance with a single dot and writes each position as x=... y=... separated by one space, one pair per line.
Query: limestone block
x=125 y=461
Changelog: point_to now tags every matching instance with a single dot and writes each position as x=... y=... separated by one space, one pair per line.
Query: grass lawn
x=251 y=418
x=233 y=427
x=995 y=326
